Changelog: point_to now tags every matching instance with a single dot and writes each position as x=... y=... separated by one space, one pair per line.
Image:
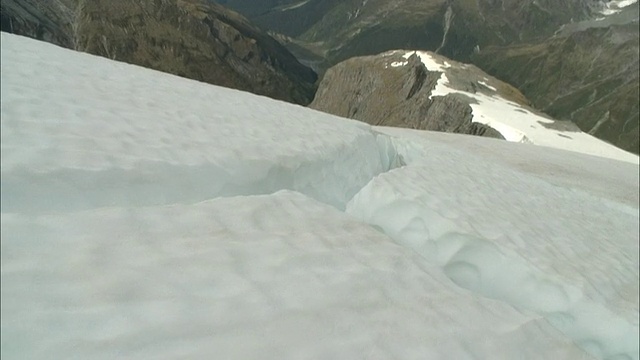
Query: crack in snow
x=431 y=199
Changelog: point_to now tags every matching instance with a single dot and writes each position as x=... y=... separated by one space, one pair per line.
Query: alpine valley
x=575 y=60
x=197 y=39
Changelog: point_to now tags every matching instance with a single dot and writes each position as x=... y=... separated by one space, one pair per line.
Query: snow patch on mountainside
x=515 y=122
x=487 y=85
x=615 y=6
x=295 y=5
x=398 y=63
x=277 y=276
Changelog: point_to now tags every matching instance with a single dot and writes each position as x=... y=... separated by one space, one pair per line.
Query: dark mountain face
x=197 y=39
x=348 y=28
x=568 y=59
x=43 y=20
x=287 y=17
x=391 y=90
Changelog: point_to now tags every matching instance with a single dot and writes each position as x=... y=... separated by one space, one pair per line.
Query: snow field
x=518 y=239
x=565 y=169
x=142 y=217
x=159 y=139
x=294 y=6
x=276 y=276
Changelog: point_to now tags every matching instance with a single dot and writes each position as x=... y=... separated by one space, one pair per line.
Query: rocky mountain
x=424 y=90
x=197 y=39
x=389 y=90
x=576 y=60
x=343 y=29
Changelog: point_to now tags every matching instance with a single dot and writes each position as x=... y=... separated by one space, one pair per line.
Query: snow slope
x=514 y=122
x=493 y=228
x=146 y=216
x=155 y=139
x=257 y=277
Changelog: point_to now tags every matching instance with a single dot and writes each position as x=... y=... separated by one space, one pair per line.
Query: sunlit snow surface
x=145 y=216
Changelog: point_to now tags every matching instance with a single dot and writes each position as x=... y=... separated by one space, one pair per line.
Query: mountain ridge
x=198 y=39
x=485 y=33
x=423 y=90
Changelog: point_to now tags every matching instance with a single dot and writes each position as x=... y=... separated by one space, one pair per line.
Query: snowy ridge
x=164 y=218
x=513 y=121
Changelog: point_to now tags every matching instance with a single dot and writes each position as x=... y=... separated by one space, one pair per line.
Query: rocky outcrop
x=49 y=21
x=389 y=90
x=197 y=39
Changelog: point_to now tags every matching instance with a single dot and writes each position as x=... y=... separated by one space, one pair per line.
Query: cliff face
x=380 y=91
x=197 y=39
x=43 y=20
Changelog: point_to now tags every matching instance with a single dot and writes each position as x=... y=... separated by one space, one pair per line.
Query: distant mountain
x=168 y=218
x=423 y=90
x=197 y=39
x=51 y=21
x=574 y=59
x=346 y=28
x=392 y=90
x=587 y=73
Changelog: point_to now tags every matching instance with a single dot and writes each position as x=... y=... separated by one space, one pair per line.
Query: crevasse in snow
x=149 y=216
x=529 y=241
